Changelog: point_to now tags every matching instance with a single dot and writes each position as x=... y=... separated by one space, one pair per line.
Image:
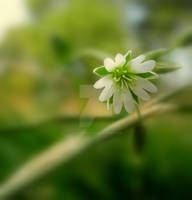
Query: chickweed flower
x=125 y=81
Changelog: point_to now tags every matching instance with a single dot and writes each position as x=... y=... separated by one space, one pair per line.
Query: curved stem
x=68 y=149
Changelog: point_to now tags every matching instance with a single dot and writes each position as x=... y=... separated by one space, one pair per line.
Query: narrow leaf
x=101 y=71
x=128 y=57
x=185 y=40
x=157 y=54
x=148 y=75
x=162 y=68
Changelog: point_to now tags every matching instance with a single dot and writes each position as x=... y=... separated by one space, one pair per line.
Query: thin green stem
x=139 y=133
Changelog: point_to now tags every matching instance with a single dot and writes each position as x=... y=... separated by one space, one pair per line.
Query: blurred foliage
x=48 y=47
x=51 y=40
x=185 y=40
x=41 y=71
x=110 y=170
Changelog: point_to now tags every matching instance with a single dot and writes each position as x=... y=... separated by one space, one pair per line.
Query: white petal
x=109 y=64
x=138 y=60
x=139 y=67
x=147 y=66
x=106 y=94
x=147 y=85
x=119 y=59
x=117 y=102
x=103 y=82
x=141 y=93
x=136 y=63
x=128 y=101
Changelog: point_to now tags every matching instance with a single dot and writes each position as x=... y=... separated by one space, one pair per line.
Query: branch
x=68 y=149
x=158 y=99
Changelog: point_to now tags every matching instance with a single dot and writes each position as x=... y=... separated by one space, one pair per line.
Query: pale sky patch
x=12 y=13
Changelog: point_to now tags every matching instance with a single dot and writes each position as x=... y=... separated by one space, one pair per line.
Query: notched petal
x=109 y=64
x=117 y=103
x=106 y=94
x=141 y=93
x=138 y=60
x=119 y=59
x=147 y=85
x=128 y=101
x=103 y=82
x=148 y=66
x=138 y=66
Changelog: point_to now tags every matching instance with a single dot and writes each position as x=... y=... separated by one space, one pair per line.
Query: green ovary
x=122 y=77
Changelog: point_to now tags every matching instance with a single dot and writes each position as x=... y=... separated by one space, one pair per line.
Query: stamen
x=122 y=83
x=135 y=79
x=125 y=77
x=126 y=84
x=117 y=79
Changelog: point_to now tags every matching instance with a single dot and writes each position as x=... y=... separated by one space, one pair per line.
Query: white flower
x=125 y=81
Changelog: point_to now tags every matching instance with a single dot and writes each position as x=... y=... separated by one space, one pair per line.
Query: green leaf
x=148 y=75
x=101 y=71
x=162 y=68
x=128 y=58
x=61 y=48
x=157 y=54
x=111 y=100
x=185 y=40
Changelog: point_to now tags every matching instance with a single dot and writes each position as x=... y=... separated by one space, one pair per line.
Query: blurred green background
x=44 y=62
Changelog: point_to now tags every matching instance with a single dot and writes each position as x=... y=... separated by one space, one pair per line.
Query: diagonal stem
x=68 y=149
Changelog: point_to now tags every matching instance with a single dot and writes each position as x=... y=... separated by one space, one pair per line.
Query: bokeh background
x=48 y=50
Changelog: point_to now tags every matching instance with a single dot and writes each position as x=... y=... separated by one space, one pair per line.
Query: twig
x=68 y=149
x=159 y=99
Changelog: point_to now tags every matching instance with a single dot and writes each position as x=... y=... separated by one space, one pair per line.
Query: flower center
x=123 y=78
